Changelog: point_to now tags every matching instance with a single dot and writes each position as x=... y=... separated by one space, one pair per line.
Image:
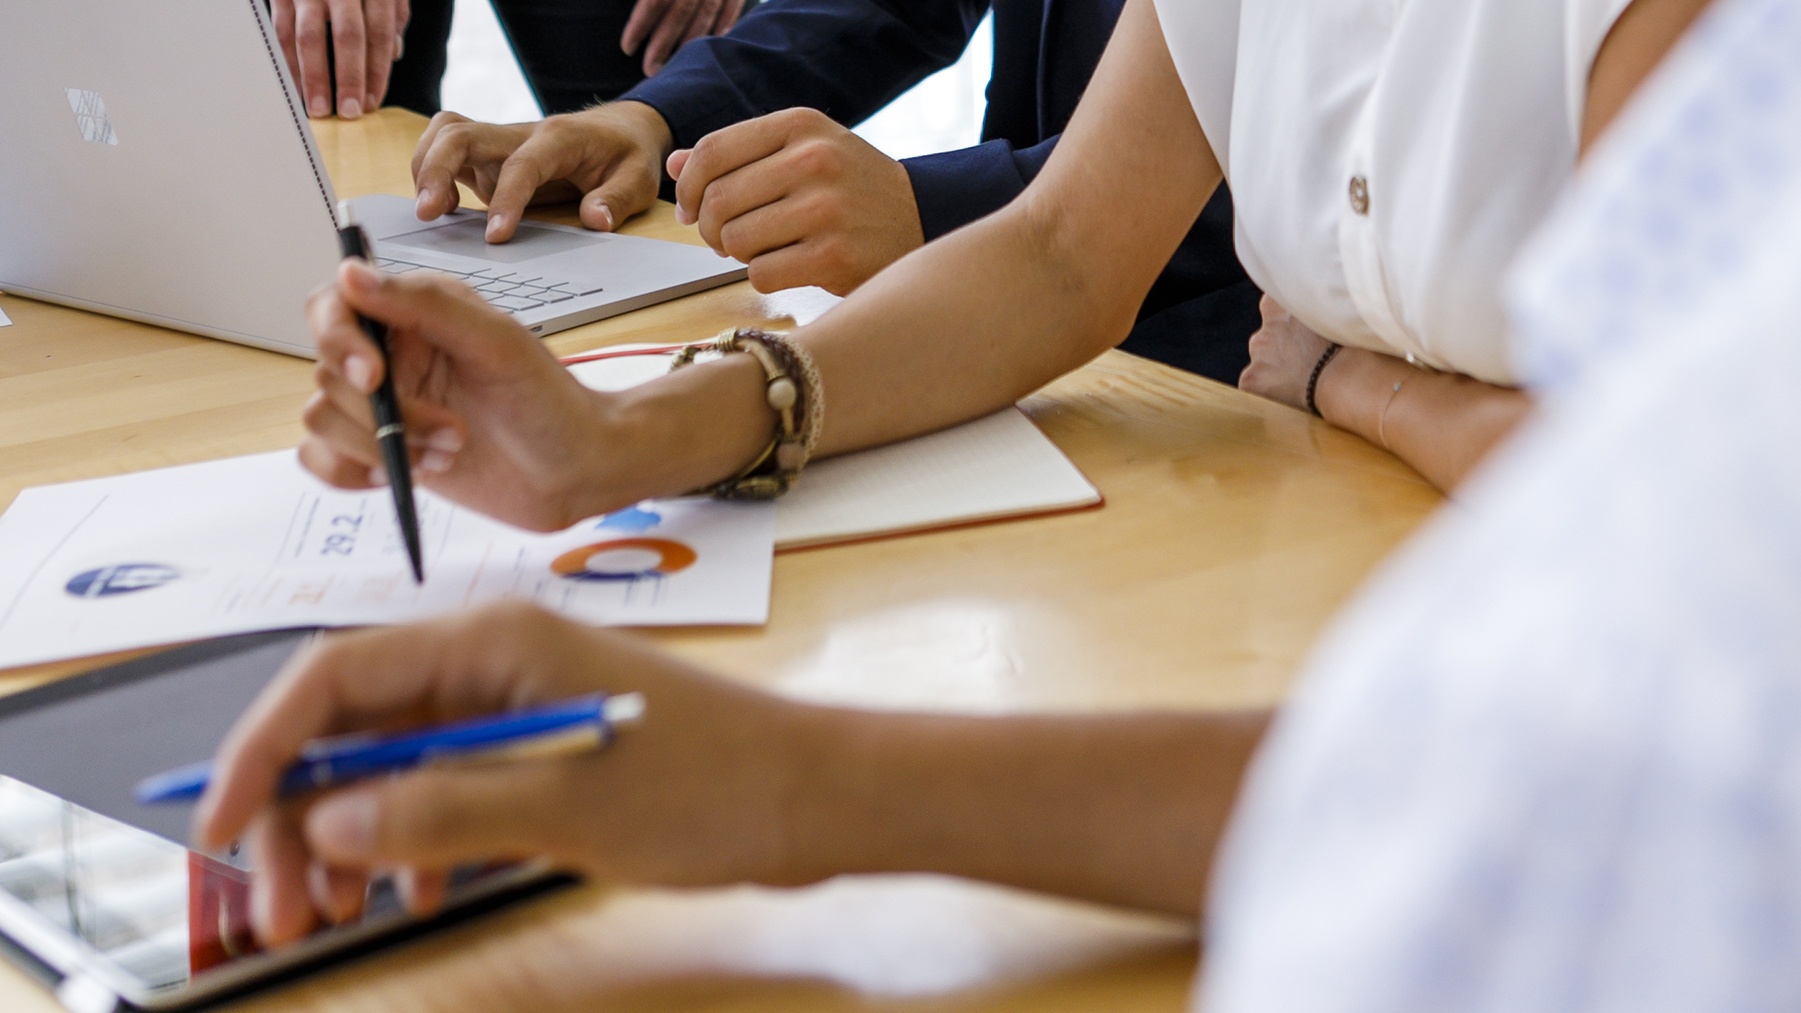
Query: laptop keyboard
x=512 y=291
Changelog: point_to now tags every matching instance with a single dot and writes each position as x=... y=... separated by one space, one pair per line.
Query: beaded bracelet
x=1313 y=381
x=793 y=391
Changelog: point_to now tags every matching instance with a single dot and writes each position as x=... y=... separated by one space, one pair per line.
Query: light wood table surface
x=1234 y=528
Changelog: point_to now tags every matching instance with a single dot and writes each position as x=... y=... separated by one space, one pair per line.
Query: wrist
x=912 y=224
x=680 y=432
x=1355 y=388
x=811 y=839
x=583 y=479
x=838 y=813
x=642 y=121
x=1309 y=393
x=1332 y=393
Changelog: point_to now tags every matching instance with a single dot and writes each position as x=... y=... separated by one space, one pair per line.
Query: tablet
x=100 y=898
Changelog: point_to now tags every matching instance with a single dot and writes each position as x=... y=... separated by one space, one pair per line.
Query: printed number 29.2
x=342 y=539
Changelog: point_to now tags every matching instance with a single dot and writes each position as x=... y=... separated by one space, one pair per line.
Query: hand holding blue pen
x=701 y=783
x=560 y=729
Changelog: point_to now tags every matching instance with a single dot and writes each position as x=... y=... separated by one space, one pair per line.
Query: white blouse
x=1388 y=157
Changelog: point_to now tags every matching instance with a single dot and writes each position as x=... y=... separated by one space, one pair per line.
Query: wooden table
x=1234 y=528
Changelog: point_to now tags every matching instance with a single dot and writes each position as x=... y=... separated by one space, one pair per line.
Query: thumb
x=438 y=818
x=678 y=160
x=617 y=198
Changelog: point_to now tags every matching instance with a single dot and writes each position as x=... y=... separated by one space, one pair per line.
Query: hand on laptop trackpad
x=465 y=238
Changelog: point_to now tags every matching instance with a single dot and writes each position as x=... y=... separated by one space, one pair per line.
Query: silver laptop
x=155 y=164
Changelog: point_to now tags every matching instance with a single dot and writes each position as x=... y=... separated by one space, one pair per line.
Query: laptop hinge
x=290 y=95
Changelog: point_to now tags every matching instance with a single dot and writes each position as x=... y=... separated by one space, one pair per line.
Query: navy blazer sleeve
x=845 y=58
x=954 y=188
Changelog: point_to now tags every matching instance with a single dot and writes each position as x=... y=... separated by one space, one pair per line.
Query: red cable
x=572 y=360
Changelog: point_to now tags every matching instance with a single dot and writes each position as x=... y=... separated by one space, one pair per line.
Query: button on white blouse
x=1388 y=157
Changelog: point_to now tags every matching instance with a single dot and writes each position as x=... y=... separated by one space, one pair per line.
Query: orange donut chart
x=672 y=557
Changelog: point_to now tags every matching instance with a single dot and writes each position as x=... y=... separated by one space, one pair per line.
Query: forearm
x=1007 y=314
x=1121 y=809
x=1443 y=424
x=962 y=328
x=993 y=311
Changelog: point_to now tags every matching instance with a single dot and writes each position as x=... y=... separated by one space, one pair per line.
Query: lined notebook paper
x=990 y=469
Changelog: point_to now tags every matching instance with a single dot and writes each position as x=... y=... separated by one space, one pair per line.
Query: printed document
x=256 y=543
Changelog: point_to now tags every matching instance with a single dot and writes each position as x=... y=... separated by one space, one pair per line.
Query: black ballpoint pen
x=390 y=433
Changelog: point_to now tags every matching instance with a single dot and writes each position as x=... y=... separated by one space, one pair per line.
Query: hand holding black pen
x=390 y=431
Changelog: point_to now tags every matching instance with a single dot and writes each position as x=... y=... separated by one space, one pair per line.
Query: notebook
x=994 y=468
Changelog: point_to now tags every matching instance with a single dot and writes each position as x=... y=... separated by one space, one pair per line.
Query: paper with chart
x=255 y=543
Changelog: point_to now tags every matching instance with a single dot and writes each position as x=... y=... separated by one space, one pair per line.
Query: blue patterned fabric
x=1659 y=220
x=1551 y=758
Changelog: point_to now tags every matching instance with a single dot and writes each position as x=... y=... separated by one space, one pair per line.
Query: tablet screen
x=92 y=883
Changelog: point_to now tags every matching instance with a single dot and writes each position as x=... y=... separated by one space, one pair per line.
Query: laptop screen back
x=153 y=165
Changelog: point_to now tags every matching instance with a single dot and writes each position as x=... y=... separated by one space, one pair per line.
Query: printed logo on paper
x=124 y=578
x=624 y=559
x=90 y=114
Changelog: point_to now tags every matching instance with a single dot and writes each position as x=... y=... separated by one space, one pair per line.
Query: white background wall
x=942 y=112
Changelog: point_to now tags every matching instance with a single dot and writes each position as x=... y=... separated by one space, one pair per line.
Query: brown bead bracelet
x=792 y=390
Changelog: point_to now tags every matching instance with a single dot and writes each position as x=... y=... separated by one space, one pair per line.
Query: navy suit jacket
x=849 y=58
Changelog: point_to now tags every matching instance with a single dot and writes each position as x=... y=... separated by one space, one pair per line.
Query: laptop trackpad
x=464 y=238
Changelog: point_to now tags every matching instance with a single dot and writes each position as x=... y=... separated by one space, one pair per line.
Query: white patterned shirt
x=1551 y=758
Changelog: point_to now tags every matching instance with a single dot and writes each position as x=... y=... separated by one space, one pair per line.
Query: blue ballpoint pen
x=559 y=729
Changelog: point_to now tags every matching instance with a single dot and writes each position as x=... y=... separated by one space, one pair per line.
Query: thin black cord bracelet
x=1313 y=381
